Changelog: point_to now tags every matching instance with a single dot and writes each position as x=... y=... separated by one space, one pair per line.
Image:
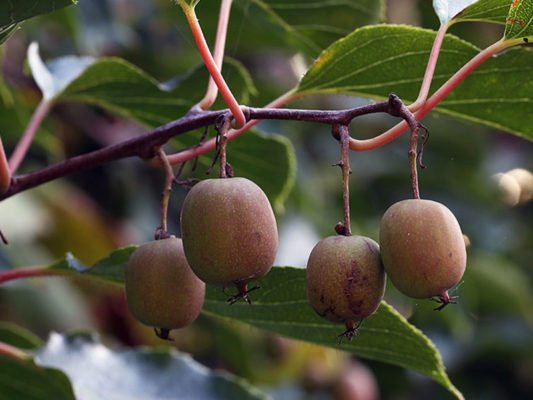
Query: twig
x=145 y=146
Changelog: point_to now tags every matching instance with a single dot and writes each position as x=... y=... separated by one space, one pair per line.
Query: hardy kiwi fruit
x=422 y=248
x=345 y=279
x=161 y=289
x=229 y=233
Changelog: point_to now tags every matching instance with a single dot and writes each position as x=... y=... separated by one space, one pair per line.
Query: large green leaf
x=486 y=11
x=118 y=86
x=296 y=25
x=13 y=12
x=281 y=307
x=520 y=20
x=98 y=372
x=375 y=61
x=22 y=379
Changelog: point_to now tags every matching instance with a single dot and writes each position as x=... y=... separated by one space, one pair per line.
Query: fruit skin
x=422 y=248
x=345 y=278
x=161 y=289
x=229 y=231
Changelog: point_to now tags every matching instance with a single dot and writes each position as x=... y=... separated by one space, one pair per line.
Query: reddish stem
x=12 y=352
x=212 y=67
x=430 y=68
x=5 y=171
x=29 y=272
x=218 y=53
x=29 y=133
x=436 y=98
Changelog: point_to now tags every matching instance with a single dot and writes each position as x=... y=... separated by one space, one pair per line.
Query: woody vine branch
x=146 y=146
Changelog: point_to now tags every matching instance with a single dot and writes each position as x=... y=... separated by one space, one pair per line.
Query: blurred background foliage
x=486 y=340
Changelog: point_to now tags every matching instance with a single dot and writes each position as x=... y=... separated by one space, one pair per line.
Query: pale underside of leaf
x=447 y=9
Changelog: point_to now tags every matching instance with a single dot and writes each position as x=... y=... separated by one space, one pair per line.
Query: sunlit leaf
x=485 y=10
x=281 y=306
x=520 y=20
x=375 y=61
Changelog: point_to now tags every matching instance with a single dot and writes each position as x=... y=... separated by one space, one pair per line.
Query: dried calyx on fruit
x=345 y=280
x=423 y=249
x=161 y=289
x=229 y=233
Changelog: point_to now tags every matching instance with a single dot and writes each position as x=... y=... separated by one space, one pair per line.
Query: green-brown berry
x=229 y=232
x=345 y=279
x=422 y=248
x=161 y=289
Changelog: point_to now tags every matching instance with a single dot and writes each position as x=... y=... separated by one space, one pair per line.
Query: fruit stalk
x=413 y=161
x=342 y=133
x=223 y=140
x=162 y=230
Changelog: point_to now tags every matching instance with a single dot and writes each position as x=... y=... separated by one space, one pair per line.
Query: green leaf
x=22 y=379
x=6 y=32
x=375 y=61
x=301 y=26
x=281 y=307
x=17 y=336
x=98 y=372
x=447 y=9
x=497 y=287
x=312 y=25
x=520 y=20
x=120 y=87
x=14 y=12
x=486 y=11
x=267 y=159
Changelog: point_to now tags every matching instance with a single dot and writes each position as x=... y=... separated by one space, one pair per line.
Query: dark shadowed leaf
x=267 y=159
x=17 y=336
x=22 y=379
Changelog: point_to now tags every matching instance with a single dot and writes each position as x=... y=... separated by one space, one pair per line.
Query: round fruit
x=422 y=248
x=229 y=232
x=161 y=289
x=345 y=279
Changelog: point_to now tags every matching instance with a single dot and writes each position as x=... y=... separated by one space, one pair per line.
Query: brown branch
x=145 y=146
